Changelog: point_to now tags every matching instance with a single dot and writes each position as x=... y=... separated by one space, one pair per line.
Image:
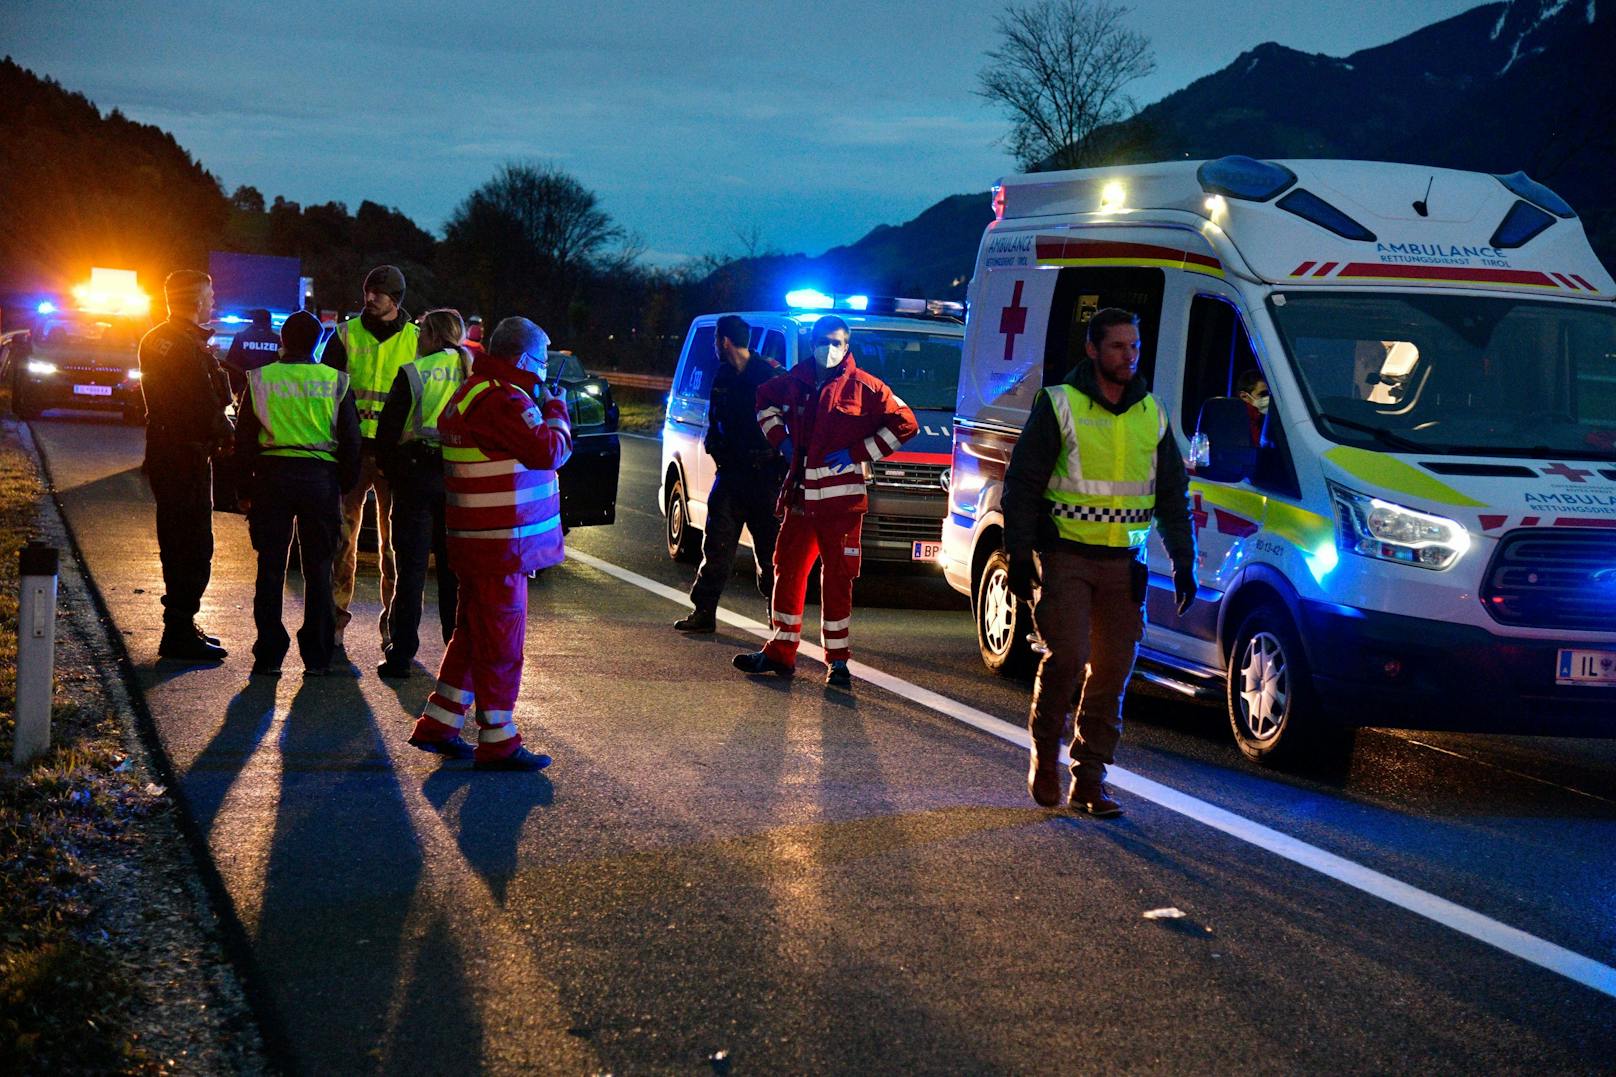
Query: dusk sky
x=691 y=120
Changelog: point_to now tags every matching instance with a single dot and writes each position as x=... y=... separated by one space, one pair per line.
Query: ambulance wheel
x=1002 y=621
x=684 y=541
x=1273 y=709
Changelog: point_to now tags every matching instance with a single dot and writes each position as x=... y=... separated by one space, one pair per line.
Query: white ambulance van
x=1420 y=530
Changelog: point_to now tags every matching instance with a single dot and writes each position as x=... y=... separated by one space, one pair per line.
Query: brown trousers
x=1091 y=614
x=346 y=562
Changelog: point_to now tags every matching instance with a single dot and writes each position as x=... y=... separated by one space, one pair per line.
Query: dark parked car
x=589 y=479
x=80 y=362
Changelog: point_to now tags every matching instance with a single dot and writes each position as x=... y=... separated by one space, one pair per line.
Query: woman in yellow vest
x=1095 y=468
x=410 y=453
x=297 y=450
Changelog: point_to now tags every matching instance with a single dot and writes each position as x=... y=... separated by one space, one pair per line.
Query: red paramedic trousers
x=835 y=540
x=482 y=667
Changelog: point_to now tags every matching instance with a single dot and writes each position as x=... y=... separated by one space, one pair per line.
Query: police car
x=1420 y=530
x=78 y=360
x=912 y=345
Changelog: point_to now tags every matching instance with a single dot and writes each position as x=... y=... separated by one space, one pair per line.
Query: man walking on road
x=1095 y=464
x=370 y=349
x=748 y=479
x=297 y=449
x=829 y=419
x=504 y=435
x=186 y=392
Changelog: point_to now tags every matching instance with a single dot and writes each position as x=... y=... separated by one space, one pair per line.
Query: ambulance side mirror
x=1222 y=450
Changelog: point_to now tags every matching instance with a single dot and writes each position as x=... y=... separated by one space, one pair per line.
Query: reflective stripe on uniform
x=1103 y=515
x=527 y=531
x=453 y=694
x=519 y=496
x=824 y=493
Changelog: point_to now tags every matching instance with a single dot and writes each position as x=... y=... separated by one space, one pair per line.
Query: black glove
x=1184 y=588
x=1023 y=577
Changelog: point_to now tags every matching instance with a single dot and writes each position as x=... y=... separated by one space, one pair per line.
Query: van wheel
x=1273 y=709
x=684 y=541
x=1002 y=621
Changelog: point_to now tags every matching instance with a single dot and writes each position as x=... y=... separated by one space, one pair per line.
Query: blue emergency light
x=46 y=307
x=1244 y=178
x=809 y=299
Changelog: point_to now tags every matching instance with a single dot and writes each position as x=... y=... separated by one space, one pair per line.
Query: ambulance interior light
x=1533 y=191
x=1245 y=178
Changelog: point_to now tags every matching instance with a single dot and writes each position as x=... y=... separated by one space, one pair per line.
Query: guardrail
x=658 y=382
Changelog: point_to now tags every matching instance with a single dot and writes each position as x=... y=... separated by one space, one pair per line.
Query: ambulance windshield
x=921 y=366
x=1456 y=375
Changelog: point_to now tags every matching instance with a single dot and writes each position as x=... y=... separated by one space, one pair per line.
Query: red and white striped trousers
x=835 y=540
x=481 y=672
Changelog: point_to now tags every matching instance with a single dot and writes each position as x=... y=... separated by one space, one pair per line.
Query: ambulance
x=1408 y=519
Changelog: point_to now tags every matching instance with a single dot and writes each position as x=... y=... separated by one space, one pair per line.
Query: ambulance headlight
x=1371 y=527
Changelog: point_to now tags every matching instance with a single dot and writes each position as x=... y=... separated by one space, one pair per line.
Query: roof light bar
x=1522 y=223
x=1537 y=194
x=1244 y=178
x=1310 y=207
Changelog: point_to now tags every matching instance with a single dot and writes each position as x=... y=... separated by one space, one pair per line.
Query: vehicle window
x=774 y=346
x=1219 y=361
x=567 y=367
x=920 y=365
x=1080 y=292
x=700 y=363
x=1483 y=375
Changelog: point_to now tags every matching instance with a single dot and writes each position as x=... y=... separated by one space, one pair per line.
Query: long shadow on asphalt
x=247 y=720
x=491 y=815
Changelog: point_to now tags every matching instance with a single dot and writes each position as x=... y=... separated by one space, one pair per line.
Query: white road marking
x=1547 y=955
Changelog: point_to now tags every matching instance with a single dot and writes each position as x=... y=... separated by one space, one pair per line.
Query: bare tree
x=557 y=221
x=1059 y=72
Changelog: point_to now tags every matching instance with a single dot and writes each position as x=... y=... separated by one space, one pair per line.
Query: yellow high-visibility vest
x=372 y=366
x=296 y=405
x=433 y=380
x=1103 y=488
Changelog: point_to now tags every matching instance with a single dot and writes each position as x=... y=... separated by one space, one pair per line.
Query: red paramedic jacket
x=853 y=411
x=500 y=454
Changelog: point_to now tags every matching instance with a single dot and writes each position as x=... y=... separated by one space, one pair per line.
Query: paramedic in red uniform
x=504 y=435
x=828 y=418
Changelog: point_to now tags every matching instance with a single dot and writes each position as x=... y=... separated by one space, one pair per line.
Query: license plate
x=93 y=390
x=1587 y=667
x=926 y=551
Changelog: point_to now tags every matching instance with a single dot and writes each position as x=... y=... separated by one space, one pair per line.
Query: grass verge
x=64 y=991
x=640 y=411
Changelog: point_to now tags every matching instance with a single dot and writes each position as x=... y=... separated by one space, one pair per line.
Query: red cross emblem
x=1573 y=473
x=1013 y=322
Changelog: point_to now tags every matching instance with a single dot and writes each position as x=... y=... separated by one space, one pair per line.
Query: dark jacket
x=251 y=464
x=186 y=389
x=253 y=347
x=336 y=352
x=1027 y=523
x=733 y=439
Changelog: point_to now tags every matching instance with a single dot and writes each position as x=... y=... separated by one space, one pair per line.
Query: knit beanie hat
x=388 y=280
x=300 y=334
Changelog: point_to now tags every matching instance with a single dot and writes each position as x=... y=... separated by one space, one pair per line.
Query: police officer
x=410 y=453
x=297 y=447
x=253 y=347
x=370 y=349
x=1095 y=465
x=186 y=392
x=749 y=474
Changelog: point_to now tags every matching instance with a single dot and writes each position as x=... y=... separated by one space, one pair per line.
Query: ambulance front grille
x=926 y=478
x=1563 y=578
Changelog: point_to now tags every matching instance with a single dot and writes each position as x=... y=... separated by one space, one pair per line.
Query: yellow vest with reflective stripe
x=372 y=366
x=433 y=380
x=1103 y=487
x=296 y=405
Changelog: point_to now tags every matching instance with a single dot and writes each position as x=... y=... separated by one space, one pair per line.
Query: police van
x=1419 y=529
x=912 y=345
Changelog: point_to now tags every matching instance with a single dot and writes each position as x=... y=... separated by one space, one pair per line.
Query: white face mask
x=829 y=355
x=535 y=364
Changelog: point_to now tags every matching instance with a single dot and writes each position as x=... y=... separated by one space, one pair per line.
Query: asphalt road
x=721 y=875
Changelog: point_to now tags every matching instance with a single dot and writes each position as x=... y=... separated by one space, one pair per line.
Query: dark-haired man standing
x=749 y=473
x=186 y=392
x=1096 y=464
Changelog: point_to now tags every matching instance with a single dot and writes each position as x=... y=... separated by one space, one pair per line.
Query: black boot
x=1043 y=773
x=698 y=620
x=183 y=643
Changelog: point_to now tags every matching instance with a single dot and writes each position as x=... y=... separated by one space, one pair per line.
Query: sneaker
x=393 y=671
x=760 y=662
x=262 y=668
x=453 y=747
x=185 y=646
x=521 y=759
x=698 y=621
x=837 y=675
x=1092 y=797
